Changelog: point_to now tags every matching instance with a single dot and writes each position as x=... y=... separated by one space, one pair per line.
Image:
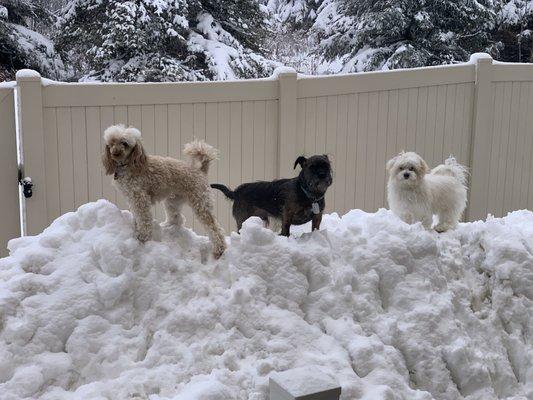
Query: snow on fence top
x=388 y=309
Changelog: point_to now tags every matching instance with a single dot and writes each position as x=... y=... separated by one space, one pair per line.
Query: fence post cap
x=283 y=71
x=477 y=57
x=26 y=75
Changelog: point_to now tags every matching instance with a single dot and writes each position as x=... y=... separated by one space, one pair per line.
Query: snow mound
x=389 y=310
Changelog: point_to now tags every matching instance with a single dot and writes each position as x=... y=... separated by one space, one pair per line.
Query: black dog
x=294 y=201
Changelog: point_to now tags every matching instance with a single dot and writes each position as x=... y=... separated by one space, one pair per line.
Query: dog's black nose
x=406 y=175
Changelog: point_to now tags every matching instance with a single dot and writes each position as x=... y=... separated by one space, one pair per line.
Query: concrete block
x=304 y=383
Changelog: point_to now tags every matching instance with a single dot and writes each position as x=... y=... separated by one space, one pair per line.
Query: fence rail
x=480 y=111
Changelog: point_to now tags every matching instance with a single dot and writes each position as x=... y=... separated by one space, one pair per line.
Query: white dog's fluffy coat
x=416 y=194
x=145 y=179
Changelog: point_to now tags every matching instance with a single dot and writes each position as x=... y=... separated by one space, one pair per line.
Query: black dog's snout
x=406 y=175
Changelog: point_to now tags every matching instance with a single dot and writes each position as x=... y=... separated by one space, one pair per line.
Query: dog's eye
x=125 y=144
x=411 y=168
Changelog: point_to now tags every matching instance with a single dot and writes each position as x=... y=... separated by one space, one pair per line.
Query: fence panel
x=510 y=168
x=481 y=112
x=364 y=128
x=9 y=202
x=246 y=133
x=502 y=138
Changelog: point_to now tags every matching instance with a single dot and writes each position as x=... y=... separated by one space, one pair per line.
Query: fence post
x=31 y=136
x=481 y=137
x=287 y=119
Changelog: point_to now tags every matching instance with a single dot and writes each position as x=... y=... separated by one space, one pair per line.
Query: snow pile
x=390 y=310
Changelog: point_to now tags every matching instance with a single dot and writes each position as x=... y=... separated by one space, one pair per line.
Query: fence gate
x=9 y=203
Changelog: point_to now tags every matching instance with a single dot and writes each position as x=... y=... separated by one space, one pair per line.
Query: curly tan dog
x=145 y=179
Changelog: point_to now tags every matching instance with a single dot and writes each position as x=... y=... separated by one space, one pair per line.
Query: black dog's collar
x=314 y=201
x=312 y=198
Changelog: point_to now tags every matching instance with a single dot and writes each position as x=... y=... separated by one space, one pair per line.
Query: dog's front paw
x=441 y=228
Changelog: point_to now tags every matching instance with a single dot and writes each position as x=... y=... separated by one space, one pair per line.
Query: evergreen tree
x=293 y=15
x=289 y=41
x=164 y=40
x=21 y=46
x=514 y=34
x=365 y=35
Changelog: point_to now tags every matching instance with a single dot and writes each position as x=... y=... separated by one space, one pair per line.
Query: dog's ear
x=424 y=166
x=300 y=160
x=109 y=164
x=137 y=158
x=390 y=164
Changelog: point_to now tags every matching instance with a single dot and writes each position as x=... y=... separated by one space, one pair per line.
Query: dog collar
x=119 y=171
x=310 y=196
x=314 y=206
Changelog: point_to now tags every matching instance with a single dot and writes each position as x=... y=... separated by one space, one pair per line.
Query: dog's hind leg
x=263 y=215
x=202 y=206
x=173 y=207
x=240 y=213
x=239 y=223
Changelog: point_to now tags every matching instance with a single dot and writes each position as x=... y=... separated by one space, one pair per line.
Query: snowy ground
x=390 y=310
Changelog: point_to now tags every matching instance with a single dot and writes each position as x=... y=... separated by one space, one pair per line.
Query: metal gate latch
x=27 y=187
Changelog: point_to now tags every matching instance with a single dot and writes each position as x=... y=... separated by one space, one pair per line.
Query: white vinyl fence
x=9 y=199
x=481 y=112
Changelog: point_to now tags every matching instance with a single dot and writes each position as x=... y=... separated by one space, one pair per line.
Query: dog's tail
x=453 y=168
x=224 y=189
x=201 y=154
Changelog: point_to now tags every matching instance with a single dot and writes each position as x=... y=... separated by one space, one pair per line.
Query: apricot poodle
x=146 y=179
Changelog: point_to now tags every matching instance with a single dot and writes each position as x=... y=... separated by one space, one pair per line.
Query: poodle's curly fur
x=145 y=179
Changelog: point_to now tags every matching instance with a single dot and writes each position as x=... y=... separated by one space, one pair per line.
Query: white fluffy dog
x=416 y=194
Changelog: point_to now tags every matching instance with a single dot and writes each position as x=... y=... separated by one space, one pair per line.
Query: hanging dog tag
x=316 y=208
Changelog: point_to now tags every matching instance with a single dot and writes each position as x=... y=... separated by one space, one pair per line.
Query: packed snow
x=388 y=310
